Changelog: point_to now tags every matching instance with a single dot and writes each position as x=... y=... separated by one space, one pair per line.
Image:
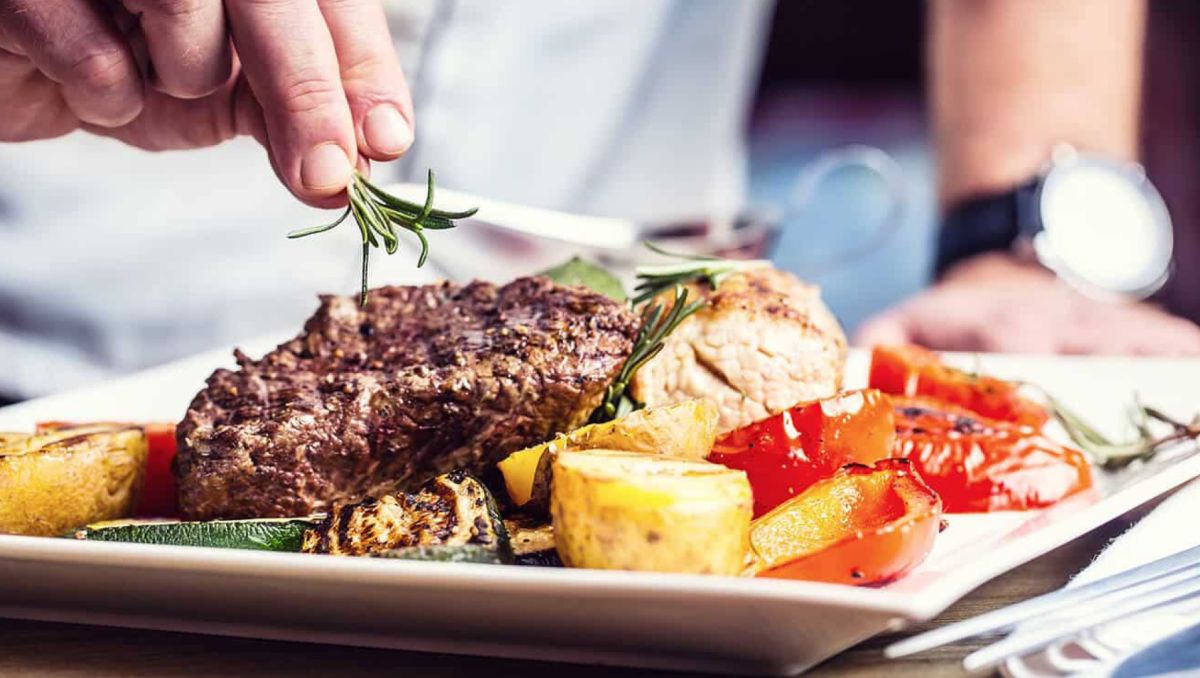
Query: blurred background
x=852 y=81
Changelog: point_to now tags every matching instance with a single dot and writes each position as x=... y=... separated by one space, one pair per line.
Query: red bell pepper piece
x=160 y=494
x=914 y=371
x=977 y=464
x=784 y=454
x=863 y=525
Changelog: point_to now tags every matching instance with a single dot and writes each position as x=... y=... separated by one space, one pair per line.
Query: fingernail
x=386 y=131
x=325 y=166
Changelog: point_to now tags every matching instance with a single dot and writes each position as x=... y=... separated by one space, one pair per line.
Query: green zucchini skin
x=446 y=553
x=284 y=535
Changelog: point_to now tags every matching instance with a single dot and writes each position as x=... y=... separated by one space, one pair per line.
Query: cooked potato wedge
x=686 y=429
x=628 y=511
x=53 y=482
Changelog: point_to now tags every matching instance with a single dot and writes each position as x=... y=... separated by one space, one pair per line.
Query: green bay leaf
x=579 y=271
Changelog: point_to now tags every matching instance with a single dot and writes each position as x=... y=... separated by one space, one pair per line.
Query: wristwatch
x=1097 y=223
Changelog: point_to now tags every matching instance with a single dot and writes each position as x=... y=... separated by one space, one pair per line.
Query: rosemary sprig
x=654 y=280
x=378 y=213
x=1112 y=454
x=657 y=324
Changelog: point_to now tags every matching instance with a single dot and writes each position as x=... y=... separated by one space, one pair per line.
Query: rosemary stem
x=377 y=213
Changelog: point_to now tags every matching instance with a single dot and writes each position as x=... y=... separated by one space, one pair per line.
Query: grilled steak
x=370 y=401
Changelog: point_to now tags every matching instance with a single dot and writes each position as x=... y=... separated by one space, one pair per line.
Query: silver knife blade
x=1008 y=617
x=1024 y=642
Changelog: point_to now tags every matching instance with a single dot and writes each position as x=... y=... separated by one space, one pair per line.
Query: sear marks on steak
x=369 y=401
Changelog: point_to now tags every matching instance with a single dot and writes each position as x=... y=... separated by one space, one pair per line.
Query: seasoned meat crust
x=764 y=343
x=426 y=379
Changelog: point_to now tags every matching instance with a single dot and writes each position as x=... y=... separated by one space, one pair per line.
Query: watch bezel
x=1066 y=160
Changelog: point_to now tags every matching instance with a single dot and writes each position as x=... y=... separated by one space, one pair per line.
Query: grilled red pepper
x=160 y=494
x=977 y=464
x=914 y=371
x=784 y=454
x=863 y=525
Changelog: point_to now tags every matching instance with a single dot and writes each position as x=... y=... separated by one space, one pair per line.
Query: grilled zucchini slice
x=453 y=509
x=446 y=553
x=266 y=534
x=56 y=481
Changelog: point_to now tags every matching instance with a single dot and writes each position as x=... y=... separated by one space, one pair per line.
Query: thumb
x=888 y=327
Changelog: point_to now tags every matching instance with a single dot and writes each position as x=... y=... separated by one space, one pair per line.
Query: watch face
x=1105 y=226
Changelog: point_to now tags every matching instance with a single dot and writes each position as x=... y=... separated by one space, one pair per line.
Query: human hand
x=317 y=83
x=998 y=304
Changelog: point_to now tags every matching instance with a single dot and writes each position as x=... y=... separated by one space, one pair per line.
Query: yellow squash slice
x=618 y=510
x=53 y=482
x=686 y=429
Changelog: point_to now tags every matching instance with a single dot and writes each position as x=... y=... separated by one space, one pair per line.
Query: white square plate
x=636 y=619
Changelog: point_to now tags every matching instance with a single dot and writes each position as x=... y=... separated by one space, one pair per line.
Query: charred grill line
x=451 y=509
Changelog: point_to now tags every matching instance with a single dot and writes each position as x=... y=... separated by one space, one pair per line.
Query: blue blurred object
x=793 y=129
x=1177 y=655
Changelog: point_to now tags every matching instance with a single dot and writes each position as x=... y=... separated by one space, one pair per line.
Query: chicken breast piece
x=765 y=342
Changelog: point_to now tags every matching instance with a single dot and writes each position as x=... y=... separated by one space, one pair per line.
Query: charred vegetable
x=453 y=509
x=532 y=542
x=686 y=429
x=863 y=525
x=447 y=553
x=53 y=482
x=979 y=464
x=628 y=511
x=160 y=493
x=915 y=371
x=783 y=455
x=269 y=534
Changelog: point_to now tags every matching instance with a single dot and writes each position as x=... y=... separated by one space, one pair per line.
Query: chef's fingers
x=375 y=87
x=74 y=43
x=288 y=57
x=188 y=43
x=32 y=107
x=886 y=329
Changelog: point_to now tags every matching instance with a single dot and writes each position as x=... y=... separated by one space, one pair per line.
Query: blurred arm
x=1011 y=78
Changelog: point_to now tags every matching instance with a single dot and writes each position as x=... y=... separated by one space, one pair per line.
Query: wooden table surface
x=61 y=650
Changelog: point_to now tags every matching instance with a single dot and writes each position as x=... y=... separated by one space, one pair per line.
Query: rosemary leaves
x=658 y=323
x=1155 y=431
x=378 y=214
x=660 y=320
x=654 y=280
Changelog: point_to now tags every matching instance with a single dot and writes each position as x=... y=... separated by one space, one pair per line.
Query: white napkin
x=1168 y=529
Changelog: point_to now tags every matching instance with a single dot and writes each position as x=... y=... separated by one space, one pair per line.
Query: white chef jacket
x=113 y=259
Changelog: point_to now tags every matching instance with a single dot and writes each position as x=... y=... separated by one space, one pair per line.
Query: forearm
x=1009 y=79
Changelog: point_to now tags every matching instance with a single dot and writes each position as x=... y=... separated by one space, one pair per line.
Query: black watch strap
x=988 y=223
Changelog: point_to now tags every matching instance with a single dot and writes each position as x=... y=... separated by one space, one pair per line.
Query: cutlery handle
x=605 y=233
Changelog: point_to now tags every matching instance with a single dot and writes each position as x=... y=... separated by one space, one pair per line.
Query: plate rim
x=916 y=604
